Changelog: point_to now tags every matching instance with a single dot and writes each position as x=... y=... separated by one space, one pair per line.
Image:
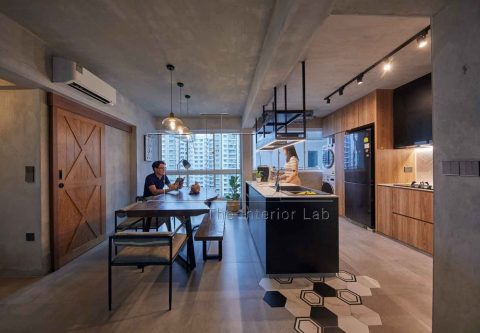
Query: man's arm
x=157 y=191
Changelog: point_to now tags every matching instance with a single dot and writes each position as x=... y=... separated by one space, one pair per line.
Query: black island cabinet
x=294 y=234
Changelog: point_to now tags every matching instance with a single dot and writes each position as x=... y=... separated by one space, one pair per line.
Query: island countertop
x=268 y=191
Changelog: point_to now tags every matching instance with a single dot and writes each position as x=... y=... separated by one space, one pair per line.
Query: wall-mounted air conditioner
x=79 y=78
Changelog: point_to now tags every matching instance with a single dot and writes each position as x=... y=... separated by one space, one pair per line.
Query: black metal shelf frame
x=274 y=131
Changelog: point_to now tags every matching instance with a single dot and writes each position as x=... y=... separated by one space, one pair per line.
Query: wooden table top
x=182 y=195
x=178 y=203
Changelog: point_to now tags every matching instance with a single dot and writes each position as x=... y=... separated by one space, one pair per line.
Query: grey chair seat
x=150 y=255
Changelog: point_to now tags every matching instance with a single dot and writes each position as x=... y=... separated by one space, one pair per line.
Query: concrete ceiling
x=231 y=53
x=215 y=45
x=424 y=8
x=343 y=47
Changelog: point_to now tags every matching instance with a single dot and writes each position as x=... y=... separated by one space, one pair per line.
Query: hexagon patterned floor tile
x=325 y=305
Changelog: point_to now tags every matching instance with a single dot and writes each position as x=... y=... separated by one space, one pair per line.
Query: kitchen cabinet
x=413 y=232
x=413 y=203
x=327 y=128
x=406 y=215
x=384 y=210
x=350 y=116
x=366 y=110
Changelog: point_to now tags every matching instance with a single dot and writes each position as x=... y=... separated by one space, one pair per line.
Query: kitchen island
x=295 y=230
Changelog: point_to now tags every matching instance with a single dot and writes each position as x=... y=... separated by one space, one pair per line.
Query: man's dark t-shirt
x=159 y=183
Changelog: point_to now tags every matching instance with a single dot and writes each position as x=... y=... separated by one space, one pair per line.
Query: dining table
x=181 y=204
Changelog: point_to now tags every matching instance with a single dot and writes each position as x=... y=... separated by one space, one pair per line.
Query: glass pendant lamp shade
x=171 y=124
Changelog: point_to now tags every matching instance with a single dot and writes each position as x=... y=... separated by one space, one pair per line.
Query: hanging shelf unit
x=281 y=128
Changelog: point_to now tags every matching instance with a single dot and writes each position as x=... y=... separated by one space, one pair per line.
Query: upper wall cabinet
x=356 y=114
x=412 y=113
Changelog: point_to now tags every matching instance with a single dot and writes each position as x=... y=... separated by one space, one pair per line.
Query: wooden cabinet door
x=366 y=111
x=413 y=203
x=350 y=116
x=413 y=232
x=384 y=210
x=327 y=126
x=337 y=122
x=78 y=172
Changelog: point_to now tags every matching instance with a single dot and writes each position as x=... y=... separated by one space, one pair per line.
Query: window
x=214 y=158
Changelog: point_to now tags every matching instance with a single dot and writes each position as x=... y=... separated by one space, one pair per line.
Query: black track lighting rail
x=359 y=77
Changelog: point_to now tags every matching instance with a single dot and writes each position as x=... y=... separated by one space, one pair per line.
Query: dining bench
x=212 y=228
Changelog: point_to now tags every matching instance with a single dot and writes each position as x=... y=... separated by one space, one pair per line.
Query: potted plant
x=233 y=199
x=258 y=175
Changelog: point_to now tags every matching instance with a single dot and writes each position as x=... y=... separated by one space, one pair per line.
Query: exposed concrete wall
x=26 y=60
x=24 y=206
x=117 y=172
x=456 y=123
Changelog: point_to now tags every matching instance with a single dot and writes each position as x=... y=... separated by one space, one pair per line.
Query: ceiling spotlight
x=387 y=65
x=340 y=91
x=328 y=100
x=360 y=79
x=422 y=40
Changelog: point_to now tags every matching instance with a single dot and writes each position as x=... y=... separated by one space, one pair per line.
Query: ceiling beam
x=292 y=26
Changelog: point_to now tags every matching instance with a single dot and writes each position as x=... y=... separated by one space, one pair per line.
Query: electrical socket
x=30 y=237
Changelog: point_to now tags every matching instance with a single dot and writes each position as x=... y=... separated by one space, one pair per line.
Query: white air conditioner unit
x=77 y=77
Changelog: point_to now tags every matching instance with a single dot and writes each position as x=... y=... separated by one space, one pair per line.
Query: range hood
x=282 y=128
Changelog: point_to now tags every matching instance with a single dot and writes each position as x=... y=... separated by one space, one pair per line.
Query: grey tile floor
x=216 y=297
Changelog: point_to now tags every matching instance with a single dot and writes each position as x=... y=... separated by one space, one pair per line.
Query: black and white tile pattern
x=325 y=305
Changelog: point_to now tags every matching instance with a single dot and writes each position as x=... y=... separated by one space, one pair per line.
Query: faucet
x=277 y=181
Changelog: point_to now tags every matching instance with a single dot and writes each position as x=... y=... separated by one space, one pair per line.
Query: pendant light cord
x=171 y=92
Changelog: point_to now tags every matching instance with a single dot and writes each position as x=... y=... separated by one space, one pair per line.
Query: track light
x=422 y=40
x=387 y=65
x=360 y=79
x=385 y=62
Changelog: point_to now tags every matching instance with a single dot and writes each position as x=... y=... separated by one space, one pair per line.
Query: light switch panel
x=450 y=168
x=469 y=168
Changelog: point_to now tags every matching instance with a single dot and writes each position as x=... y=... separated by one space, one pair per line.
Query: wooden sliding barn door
x=78 y=179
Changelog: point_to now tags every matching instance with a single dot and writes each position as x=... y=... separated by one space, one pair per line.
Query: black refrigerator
x=360 y=176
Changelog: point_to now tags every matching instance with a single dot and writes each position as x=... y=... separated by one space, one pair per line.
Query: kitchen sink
x=297 y=190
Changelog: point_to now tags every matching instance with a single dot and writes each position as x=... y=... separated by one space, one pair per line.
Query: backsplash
x=424 y=165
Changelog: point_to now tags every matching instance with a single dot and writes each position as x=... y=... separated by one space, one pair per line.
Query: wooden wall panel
x=384 y=210
x=339 y=173
x=390 y=164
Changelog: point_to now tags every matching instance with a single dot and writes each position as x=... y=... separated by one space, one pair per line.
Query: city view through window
x=214 y=158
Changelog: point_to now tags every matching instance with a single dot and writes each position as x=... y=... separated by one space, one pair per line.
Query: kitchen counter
x=293 y=234
x=407 y=187
x=268 y=191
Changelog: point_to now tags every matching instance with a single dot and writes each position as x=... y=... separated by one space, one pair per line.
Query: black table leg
x=190 y=248
x=146 y=224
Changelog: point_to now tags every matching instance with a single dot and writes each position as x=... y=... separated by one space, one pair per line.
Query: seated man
x=155 y=182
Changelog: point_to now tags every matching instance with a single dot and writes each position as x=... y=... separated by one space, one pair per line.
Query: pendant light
x=171 y=123
x=188 y=136
x=182 y=129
